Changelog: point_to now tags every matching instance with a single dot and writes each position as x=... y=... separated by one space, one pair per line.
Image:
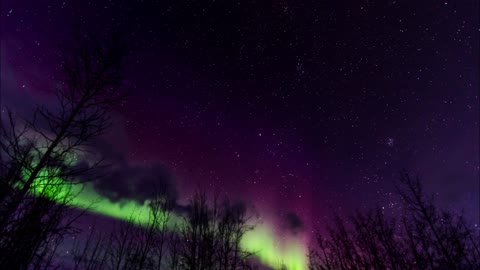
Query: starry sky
x=296 y=108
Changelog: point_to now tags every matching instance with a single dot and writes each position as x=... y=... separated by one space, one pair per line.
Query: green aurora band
x=262 y=240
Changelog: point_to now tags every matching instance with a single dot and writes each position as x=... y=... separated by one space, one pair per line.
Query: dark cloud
x=237 y=208
x=137 y=183
x=120 y=177
x=103 y=148
x=293 y=223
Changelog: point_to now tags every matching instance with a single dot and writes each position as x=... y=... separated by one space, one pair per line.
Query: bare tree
x=207 y=237
x=231 y=228
x=210 y=236
x=437 y=237
x=423 y=237
x=92 y=253
x=161 y=220
x=40 y=155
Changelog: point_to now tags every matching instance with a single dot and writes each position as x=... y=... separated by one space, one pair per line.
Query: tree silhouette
x=205 y=238
x=210 y=237
x=40 y=154
x=424 y=236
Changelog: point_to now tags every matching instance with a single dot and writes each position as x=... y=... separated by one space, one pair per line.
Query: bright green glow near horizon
x=262 y=240
x=84 y=196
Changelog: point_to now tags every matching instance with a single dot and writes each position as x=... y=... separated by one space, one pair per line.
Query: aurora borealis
x=295 y=110
x=262 y=240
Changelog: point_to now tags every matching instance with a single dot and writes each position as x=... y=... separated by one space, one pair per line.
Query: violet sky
x=298 y=108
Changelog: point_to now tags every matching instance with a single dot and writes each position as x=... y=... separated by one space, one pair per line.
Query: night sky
x=296 y=108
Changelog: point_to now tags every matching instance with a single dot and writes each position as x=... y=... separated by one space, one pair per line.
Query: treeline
x=208 y=237
x=421 y=235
